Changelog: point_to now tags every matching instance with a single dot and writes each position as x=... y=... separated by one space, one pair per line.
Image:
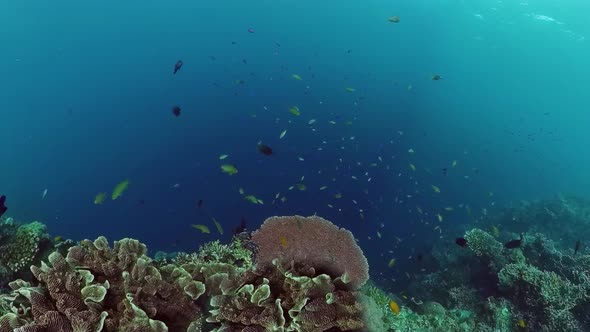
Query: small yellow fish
x=58 y=238
x=350 y=89
x=120 y=189
x=439 y=217
x=412 y=167
x=435 y=189
x=391 y=262
x=394 y=307
x=252 y=199
x=283 y=241
x=223 y=156
x=494 y=231
x=99 y=198
x=283 y=133
x=202 y=228
x=229 y=169
x=297 y=77
x=295 y=111
x=521 y=323
x=218 y=225
x=301 y=186
x=454 y=163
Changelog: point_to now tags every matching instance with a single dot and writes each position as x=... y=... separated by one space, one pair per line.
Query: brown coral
x=292 y=299
x=315 y=241
x=96 y=288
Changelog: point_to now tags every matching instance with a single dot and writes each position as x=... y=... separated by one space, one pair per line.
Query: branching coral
x=234 y=253
x=484 y=244
x=21 y=245
x=315 y=241
x=544 y=291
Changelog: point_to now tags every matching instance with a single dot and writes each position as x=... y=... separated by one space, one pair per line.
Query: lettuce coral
x=292 y=298
x=305 y=285
x=98 y=288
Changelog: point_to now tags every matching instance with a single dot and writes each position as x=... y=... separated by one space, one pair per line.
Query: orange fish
x=394 y=307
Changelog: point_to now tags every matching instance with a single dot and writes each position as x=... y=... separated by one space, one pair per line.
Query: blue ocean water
x=86 y=92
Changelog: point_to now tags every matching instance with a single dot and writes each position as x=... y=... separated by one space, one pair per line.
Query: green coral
x=452 y=321
x=501 y=312
x=545 y=292
x=19 y=250
x=483 y=243
x=234 y=253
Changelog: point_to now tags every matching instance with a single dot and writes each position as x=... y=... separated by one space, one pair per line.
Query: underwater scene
x=294 y=166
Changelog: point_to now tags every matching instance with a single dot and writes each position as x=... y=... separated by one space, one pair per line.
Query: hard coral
x=21 y=245
x=485 y=245
x=98 y=288
x=315 y=241
x=543 y=293
x=292 y=298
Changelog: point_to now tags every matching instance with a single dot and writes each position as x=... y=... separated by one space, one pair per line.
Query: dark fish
x=177 y=66
x=244 y=61
x=264 y=149
x=3 y=207
x=445 y=171
x=240 y=228
x=176 y=111
x=461 y=241
x=578 y=244
x=200 y=203
x=436 y=77
x=512 y=244
x=419 y=257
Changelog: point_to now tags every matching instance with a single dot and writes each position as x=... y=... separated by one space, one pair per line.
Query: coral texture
x=292 y=299
x=315 y=241
x=21 y=246
x=98 y=288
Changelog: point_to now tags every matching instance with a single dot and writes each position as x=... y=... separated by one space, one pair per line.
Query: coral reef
x=223 y=287
x=98 y=288
x=20 y=246
x=291 y=299
x=315 y=241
